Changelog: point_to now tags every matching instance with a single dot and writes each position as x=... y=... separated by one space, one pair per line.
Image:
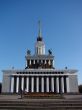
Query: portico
x=40 y=83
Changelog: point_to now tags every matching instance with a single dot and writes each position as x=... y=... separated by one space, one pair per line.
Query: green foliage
x=0 y=87
x=80 y=88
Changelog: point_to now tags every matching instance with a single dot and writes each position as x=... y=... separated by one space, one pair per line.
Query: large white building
x=39 y=74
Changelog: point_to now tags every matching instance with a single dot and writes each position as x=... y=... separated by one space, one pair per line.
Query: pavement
x=78 y=96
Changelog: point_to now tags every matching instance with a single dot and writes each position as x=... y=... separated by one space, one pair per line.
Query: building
x=39 y=74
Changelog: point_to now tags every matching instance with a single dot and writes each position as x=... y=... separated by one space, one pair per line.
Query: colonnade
x=32 y=61
x=56 y=84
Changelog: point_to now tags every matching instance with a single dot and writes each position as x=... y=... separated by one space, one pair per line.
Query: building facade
x=39 y=74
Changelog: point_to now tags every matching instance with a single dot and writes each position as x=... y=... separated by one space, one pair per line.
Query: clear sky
x=61 y=22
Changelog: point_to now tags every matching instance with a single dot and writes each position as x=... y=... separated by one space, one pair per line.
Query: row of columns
x=42 y=84
x=45 y=61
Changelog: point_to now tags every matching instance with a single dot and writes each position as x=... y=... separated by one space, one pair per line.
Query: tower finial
x=39 y=25
x=39 y=38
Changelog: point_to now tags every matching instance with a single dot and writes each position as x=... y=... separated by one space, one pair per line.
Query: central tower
x=40 y=46
x=40 y=60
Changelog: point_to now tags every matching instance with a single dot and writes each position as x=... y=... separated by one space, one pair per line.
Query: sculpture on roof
x=50 y=52
x=28 y=52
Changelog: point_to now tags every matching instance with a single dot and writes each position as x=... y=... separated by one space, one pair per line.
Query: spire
x=39 y=25
x=39 y=32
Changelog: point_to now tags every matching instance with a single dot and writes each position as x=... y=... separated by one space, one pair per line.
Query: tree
x=0 y=87
x=80 y=88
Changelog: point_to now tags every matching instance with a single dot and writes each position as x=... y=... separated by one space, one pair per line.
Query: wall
x=73 y=83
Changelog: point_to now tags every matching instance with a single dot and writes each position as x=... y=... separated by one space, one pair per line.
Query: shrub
x=80 y=88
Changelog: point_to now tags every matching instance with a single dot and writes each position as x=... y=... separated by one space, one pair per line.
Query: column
x=47 y=84
x=52 y=84
x=12 y=84
x=32 y=84
x=49 y=62
x=37 y=84
x=53 y=63
x=33 y=61
x=26 y=63
x=57 y=84
x=45 y=61
x=27 y=84
x=67 y=84
x=30 y=62
x=22 y=85
x=17 y=84
x=62 y=84
x=42 y=84
x=41 y=61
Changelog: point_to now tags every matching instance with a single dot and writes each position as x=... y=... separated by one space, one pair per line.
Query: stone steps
x=41 y=105
x=42 y=108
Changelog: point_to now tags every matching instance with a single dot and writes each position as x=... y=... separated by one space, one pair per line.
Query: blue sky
x=61 y=22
